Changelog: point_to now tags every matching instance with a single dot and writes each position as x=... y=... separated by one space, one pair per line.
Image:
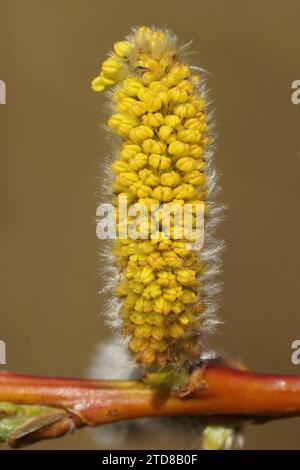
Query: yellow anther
x=193 y=124
x=164 y=97
x=115 y=120
x=138 y=162
x=177 y=307
x=190 y=136
x=138 y=344
x=140 y=133
x=129 y=151
x=205 y=140
x=152 y=290
x=196 y=151
x=150 y=76
x=121 y=124
x=117 y=187
x=145 y=247
x=186 y=110
x=162 y=193
x=171 y=179
x=124 y=104
x=136 y=286
x=143 y=174
x=137 y=318
x=137 y=108
x=153 y=119
x=186 y=85
x=204 y=127
x=140 y=259
x=123 y=48
x=97 y=84
x=160 y=162
x=127 y=178
x=186 y=164
x=184 y=191
x=145 y=275
x=172 y=121
x=165 y=132
x=125 y=127
x=156 y=261
x=108 y=82
x=152 y=180
x=184 y=319
x=143 y=33
x=198 y=103
x=131 y=86
x=131 y=106
x=195 y=177
x=201 y=116
x=172 y=138
x=119 y=95
x=188 y=297
x=172 y=293
x=155 y=319
x=166 y=279
x=171 y=259
x=179 y=248
x=147 y=61
x=100 y=83
x=147 y=357
x=158 y=87
x=143 y=305
x=177 y=95
x=178 y=149
x=161 y=305
x=154 y=146
x=177 y=73
x=110 y=67
x=151 y=99
x=129 y=273
x=118 y=166
x=158 y=333
x=141 y=190
x=164 y=244
x=143 y=331
x=175 y=330
x=185 y=276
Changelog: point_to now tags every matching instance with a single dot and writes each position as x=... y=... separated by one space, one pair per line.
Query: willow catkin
x=158 y=111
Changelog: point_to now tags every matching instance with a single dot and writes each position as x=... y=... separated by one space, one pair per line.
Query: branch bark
x=68 y=403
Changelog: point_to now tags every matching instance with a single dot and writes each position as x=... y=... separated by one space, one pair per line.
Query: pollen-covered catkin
x=158 y=111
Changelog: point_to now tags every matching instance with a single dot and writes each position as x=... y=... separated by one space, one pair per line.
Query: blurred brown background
x=50 y=147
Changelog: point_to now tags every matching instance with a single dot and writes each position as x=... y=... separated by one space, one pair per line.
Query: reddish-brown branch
x=92 y=402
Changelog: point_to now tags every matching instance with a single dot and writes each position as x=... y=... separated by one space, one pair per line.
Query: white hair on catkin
x=211 y=253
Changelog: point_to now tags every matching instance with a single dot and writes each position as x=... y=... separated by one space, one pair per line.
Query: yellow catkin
x=159 y=115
